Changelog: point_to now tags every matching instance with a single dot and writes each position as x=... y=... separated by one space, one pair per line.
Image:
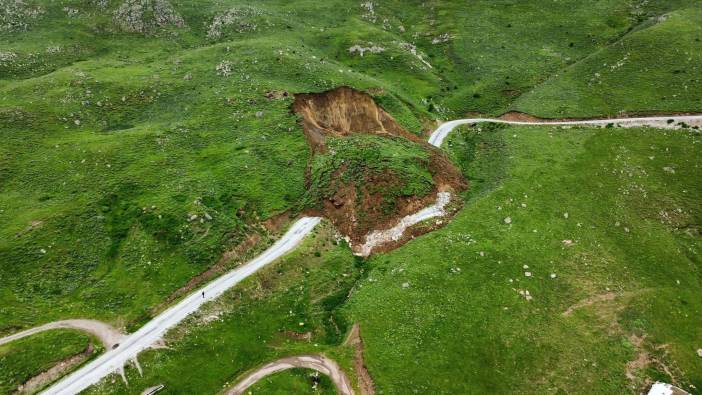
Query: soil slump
x=343 y=111
x=358 y=207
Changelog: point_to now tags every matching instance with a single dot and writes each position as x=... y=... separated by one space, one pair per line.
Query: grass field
x=670 y=84
x=633 y=227
x=633 y=232
x=291 y=307
x=25 y=358
x=134 y=154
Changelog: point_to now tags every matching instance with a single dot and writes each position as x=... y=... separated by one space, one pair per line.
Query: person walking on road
x=203 y=294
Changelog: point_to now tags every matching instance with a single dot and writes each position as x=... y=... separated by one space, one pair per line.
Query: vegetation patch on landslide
x=369 y=180
x=367 y=172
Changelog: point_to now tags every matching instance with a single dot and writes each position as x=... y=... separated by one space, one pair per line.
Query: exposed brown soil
x=277 y=95
x=356 y=211
x=365 y=382
x=343 y=111
x=275 y=223
x=590 y=301
x=641 y=361
x=53 y=373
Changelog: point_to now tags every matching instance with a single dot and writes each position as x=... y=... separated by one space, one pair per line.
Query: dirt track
x=108 y=335
x=319 y=363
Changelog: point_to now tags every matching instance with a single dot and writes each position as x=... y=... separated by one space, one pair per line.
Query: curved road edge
x=437 y=137
x=319 y=363
x=108 y=335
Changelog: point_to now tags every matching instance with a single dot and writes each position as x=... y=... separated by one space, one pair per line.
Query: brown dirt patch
x=365 y=382
x=590 y=301
x=641 y=361
x=277 y=95
x=343 y=111
x=275 y=224
x=357 y=210
x=32 y=226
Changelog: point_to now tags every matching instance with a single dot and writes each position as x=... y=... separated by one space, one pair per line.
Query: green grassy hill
x=140 y=140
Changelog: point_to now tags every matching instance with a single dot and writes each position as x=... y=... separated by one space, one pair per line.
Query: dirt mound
x=376 y=194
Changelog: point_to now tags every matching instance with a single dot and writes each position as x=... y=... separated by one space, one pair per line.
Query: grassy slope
x=622 y=77
x=352 y=160
x=257 y=322
x=618 y=202
x=149 y=137
x=173 y=140
x=111 y=197
x=30 y=356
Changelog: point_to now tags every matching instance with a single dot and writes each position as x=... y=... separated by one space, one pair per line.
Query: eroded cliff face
x=359 y=198
x=343 y=111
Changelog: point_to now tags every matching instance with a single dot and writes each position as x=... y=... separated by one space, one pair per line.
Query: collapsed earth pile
x=367 y=172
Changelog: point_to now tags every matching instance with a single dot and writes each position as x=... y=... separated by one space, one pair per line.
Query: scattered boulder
x=236 y=20
x=362 y=50
x=16 y=15
x=277 y=95
x=146 y=16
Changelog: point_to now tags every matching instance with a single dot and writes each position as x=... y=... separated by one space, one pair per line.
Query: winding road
x=319 y=363
x=438 y=136
x=148 y=335
x=151 y=333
